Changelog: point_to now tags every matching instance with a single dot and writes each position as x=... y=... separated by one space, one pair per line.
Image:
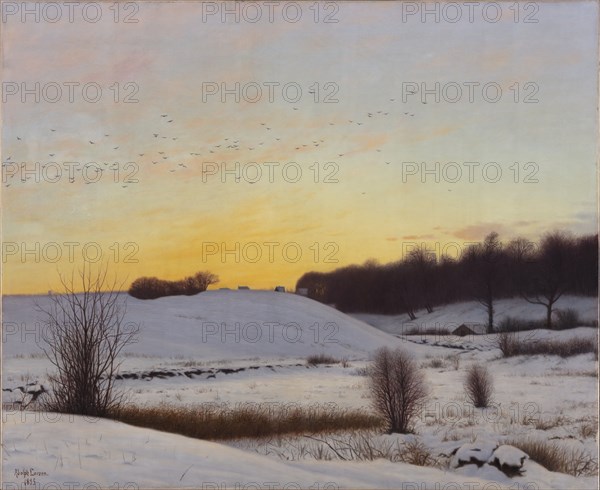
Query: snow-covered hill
x=217 y=325
x=451 y=316
x=230 y=347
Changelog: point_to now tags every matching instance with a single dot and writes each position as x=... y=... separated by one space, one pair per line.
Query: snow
x=453 y=315
x=509 y=456
x=479 y=452
x=217 y=325
x=545 y=397
x=72 y=449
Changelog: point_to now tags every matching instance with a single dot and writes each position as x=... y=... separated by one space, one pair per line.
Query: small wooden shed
x=469 y=329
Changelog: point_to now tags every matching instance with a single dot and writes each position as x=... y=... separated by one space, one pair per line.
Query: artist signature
x=28 y=475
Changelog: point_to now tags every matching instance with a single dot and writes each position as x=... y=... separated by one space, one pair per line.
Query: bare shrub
x=85 y=334
x=511 y=324
x=508 y=344
x=322 y=358
x=417 y=453
x=397 y=388
x=567 y=318
x=479 y=385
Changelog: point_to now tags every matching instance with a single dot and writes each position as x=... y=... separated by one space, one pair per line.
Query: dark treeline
x=486 y=271
x=152 y=287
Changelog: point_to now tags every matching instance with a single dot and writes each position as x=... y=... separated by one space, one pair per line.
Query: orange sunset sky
x=173 y=210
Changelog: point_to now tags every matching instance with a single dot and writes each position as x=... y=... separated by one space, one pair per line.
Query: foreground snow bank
x=69 y=451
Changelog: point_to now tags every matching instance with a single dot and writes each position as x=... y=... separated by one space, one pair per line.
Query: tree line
x=488 y=270
x=153 y=287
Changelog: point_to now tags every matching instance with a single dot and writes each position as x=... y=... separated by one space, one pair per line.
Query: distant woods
x=486 y=271
x=152 y=287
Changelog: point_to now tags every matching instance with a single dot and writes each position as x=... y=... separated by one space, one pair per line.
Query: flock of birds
x=164 y=147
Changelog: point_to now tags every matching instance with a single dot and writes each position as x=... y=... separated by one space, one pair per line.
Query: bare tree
x=424 y=263
x=549 y=277
x=201 y=280
x=85 y=333
x=479 y=386
x=485 y=261
x=397 y=388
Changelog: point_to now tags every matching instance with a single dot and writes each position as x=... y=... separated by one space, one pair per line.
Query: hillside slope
x=217 y=325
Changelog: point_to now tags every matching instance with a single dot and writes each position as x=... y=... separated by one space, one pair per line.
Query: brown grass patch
x=252 y=420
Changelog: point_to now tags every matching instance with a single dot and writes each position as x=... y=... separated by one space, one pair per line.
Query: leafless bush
x=567 y=318
x=84 y=334
x=511 y=324
x=397 y=388
x=315 y=359
x=417 y=453
x=479 y=385
x=508 y=344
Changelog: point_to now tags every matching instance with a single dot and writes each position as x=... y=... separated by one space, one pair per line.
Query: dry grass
x=588 y=430
x=417 y=453
x=554 y=457
x=253 y=420
x=454 y=360
x=547 y=424
x=510 y=346
x=436 y=331
x=367 y=446
x=436 y=363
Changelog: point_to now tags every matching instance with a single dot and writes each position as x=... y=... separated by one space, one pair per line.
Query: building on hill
x=470 y=329
x=280 y=289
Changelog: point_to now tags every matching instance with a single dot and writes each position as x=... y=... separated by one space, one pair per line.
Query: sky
x=349 y=152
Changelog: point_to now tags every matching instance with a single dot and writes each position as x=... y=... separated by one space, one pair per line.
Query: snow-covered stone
x=509 y=460
x=477 y=453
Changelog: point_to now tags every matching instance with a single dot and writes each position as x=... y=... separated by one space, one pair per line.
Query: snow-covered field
x=230 y=347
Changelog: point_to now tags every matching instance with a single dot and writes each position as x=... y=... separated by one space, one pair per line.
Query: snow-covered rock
x=477 y=453
x=509 y=460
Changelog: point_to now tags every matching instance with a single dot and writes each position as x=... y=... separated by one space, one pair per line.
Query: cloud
x=480 y=230
x=427 y=236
